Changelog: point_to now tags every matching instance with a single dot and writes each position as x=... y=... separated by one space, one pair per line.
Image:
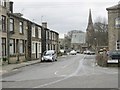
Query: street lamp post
x=95 y=44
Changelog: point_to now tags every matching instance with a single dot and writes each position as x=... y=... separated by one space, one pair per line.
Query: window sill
x=21 y=33
x=12 y=55
x=21 y=54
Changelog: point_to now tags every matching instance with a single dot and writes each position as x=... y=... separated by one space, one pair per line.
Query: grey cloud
x=64 y=16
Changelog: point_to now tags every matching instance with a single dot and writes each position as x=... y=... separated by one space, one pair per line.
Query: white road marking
x=15 y=69
x=56 y=72
x=50 y=83
x=65 y=66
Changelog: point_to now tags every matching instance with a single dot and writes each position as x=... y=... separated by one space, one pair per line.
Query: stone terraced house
x=22 y=39
x=114 y=27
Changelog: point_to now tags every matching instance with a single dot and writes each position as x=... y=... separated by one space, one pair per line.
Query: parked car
x=73 y=52
x=114 y=54
x=88 y=52
x=92 y=53
x=78 y=51
x=49 y=55
x=63 y=52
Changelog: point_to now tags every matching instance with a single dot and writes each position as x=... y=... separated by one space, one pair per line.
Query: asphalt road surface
x=71 y=71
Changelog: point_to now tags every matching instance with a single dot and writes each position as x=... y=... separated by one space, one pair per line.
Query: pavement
x=9 y=67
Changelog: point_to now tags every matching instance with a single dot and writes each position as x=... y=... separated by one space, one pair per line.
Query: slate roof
x=114 y=7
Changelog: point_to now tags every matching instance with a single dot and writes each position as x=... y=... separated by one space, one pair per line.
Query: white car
x=73 y=52
x=49 y=55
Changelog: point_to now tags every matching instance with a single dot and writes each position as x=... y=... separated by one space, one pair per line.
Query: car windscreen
x=48 y=53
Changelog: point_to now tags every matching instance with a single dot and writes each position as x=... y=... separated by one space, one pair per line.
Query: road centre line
x=50 y=83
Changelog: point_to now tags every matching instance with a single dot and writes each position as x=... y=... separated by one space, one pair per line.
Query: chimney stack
x=44 y=24
x=11 y=6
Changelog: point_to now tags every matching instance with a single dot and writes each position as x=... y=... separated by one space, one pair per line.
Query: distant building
x=114 y=27
x=78 y=40
x=90 y=33
x=61 y=43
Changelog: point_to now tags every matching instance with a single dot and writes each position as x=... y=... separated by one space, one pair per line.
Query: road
x=71 y=71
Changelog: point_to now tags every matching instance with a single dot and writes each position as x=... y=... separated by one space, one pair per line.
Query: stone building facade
x=78 y=41
x=17 y=37
x=50 y=39
x=5 y=7
x=114 y=27
x=36 y=41
x=21 y=39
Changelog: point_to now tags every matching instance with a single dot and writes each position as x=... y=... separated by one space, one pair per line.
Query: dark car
x=114 y=54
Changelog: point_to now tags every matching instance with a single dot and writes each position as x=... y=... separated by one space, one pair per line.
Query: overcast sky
x=63 y=15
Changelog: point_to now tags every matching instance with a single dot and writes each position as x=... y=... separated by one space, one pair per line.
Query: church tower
x=90 y=33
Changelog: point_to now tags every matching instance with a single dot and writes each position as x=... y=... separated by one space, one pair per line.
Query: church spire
x=90 y=23
x=90 y=17
x=90 y=35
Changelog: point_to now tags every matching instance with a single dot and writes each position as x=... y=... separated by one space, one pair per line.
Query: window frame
x=12 y=49
x=3 y=23
x=4 y=47
x=11 y=25
x=21 y=27
x=33 y=47
x=39 y=32
x=21 y=46
x=117 y=22
x=33 y=30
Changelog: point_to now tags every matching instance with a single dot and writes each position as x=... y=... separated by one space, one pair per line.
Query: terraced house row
x=22 y=39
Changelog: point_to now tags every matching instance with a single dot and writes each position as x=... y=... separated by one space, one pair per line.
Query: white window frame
x=33 y=47
x=117 y=22
x=21 y=27
x=33 y=30
x=11 y=24
x=21 y=46
x=46 y=34
x=52 y=36
x=39 y=49
x=39 y=32
x=49 y=35
x=12 y=46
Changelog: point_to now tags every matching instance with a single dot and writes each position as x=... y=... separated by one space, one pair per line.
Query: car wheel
x=42 y=60
x=55 y=59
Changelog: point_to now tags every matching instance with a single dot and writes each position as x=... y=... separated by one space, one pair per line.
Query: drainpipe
x=119 y=31
x=8 y=38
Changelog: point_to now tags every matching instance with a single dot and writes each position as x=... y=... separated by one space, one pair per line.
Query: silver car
x=49 y=55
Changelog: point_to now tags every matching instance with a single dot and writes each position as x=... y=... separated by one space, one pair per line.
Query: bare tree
x=101 y=31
